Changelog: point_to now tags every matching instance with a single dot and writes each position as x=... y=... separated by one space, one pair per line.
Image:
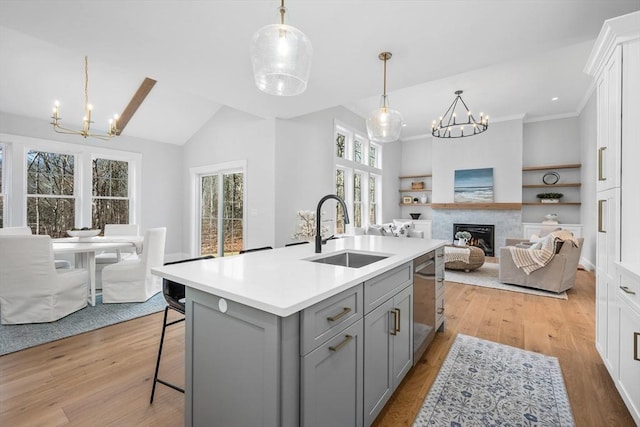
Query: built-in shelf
x=541 y=168
x=409 y=190
x=568 y=184
x=548 y=205
x=414 y=176
x=415 y=204
x=483 y=206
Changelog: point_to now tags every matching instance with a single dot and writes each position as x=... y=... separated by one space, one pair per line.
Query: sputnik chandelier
x=86 y=121
x=455 y=125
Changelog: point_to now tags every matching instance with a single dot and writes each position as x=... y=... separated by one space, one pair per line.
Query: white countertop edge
x=302 y=253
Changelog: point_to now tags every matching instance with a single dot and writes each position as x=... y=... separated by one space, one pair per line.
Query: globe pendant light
x=281 y=57
x=384 y=124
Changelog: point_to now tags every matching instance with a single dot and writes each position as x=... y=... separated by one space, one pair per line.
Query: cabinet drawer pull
x=441 y=310
x=440 y=255
x=627 y=290
x=600 y=210
x=600 y=162
x=340 y=315
x=344 y=342
x=397 y=325
x=394 y=330
x=636 y=335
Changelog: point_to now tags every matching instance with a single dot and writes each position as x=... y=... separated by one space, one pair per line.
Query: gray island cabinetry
x=328 y=355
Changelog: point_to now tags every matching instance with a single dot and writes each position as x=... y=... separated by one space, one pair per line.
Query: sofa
x=557 y=276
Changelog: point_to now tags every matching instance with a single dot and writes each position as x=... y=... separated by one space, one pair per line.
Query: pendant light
x=281 y=57
x=384 y=124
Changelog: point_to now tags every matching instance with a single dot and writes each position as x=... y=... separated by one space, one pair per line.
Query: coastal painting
x=473 y=186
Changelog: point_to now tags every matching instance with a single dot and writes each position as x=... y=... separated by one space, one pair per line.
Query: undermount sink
x=349 y=258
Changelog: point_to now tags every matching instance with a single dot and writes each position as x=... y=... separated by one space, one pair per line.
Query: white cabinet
x=629 y=337
x=615 y=65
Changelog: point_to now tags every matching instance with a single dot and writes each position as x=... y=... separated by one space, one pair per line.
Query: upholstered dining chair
x=118 y=230
x=174 y=295
x=26 y=231
x=131 y=280
x=31 y=289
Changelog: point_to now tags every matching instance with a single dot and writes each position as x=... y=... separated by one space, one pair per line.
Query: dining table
x=85 y=249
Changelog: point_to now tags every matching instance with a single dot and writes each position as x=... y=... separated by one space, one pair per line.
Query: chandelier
x=86 y=121
x=384 y=124
x=281 y=57
x=448 y=126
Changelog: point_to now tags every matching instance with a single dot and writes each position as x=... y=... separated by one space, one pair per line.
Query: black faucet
x=319 y=240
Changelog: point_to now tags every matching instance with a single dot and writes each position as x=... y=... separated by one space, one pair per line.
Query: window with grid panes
x=110 y=192
x=358 y=178
x=2 y=190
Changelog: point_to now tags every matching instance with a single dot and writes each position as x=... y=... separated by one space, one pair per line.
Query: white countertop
x=282 y=282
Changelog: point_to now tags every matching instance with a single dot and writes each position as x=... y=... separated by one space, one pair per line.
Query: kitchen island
x=276 y=339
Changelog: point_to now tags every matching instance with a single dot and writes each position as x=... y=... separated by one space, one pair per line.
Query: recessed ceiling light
x=555 y=98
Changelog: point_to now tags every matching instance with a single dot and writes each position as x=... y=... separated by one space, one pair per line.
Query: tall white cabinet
x=615 y=65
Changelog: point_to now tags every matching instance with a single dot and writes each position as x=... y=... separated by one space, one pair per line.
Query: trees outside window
x=2 y=190
x=358 y=178
x=110 y=192
x=50 y=192
x=221 y=213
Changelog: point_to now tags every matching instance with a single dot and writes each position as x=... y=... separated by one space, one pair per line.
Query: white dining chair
x=131 y=280
x=118 y=230
x=26 y=231
x=32 y=290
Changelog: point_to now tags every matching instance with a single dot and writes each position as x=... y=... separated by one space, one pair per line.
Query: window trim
x=16 y=174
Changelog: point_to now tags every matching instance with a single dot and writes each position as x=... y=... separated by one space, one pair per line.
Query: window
x=357 y=178
x=110 y=192
x=50 y=192
x=221 y=215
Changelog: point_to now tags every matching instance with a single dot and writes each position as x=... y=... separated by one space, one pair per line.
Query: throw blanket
x=530 y=260
x=456 y=254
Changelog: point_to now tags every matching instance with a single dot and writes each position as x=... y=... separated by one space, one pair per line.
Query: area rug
x=19 y=337
x=487 y=276
x=483 y=383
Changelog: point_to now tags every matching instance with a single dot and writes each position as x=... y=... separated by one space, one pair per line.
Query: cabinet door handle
x=440 y=255
x=393 y=330
x=397 y=325
x=636 y=335
x=600 y=210
x=600 y=162
x=627 y=290
x=441 y=310
x=344 y=342
x=340 y=315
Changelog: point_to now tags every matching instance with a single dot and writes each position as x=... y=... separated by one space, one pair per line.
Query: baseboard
x=587 y=265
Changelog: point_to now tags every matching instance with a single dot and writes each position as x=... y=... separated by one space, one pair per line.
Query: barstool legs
x=155 y=376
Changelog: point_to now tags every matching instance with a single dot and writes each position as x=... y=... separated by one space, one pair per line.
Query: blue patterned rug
x=483 y=383
x=19 y=337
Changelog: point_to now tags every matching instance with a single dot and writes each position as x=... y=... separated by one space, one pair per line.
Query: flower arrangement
x=463 y=235
x=306 y=227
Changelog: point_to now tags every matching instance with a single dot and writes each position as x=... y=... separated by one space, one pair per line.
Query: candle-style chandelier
x=86 y=121
x=460 y=123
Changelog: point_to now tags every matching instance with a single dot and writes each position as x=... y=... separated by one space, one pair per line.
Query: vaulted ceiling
x=509 y=57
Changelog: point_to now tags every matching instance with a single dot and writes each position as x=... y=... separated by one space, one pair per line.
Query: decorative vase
x=462 y=242
x=423 y=199
x=550 y=200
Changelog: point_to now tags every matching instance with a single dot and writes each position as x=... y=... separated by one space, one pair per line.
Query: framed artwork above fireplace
x=473 y=186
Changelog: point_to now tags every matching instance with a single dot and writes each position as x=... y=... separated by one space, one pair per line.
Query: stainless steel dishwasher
x=424 y=303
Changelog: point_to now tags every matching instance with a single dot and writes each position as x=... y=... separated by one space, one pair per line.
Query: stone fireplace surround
x=508 y=223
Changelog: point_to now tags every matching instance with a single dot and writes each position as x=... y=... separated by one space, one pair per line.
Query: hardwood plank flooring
x=104 y=377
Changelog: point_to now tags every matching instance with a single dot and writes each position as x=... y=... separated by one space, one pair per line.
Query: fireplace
x=482 y=236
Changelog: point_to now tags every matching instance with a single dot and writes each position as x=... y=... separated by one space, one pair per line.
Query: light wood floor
x=104 y=377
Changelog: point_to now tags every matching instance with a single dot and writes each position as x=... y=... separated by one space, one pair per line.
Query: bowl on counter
x=415 y=215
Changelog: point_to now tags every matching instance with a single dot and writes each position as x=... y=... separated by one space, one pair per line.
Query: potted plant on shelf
x=549 y=197
x=463 y=237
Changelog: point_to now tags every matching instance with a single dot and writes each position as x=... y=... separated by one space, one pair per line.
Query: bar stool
x=174 y=294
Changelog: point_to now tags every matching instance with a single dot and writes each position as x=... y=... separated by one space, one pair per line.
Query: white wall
x=500 y=148
x=161 y=173
x=588 y=149
x=232 y=135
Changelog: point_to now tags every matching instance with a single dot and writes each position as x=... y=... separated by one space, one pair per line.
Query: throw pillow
x=408 y=223
x=401 y=230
